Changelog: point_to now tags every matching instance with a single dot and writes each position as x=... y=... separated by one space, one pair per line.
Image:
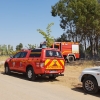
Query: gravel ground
x=16 y=87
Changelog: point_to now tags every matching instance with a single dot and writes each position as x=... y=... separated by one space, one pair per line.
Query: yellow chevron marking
x=57 y=66
x=47 y=61
x=62 y=61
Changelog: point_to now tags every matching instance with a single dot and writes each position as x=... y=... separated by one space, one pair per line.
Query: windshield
x=53 y=53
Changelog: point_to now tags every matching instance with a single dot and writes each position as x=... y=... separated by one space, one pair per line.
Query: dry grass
x=2 y=68
x=72 y=73
x=3 y=58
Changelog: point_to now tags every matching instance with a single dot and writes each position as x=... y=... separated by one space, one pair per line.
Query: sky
x=20 y=19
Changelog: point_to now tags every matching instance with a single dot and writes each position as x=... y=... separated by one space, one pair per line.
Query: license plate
x=53 y=71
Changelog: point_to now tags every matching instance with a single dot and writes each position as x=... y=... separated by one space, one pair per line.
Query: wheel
x=30 y=74
x=70 y=59
x=90 y=85
x=7 y=70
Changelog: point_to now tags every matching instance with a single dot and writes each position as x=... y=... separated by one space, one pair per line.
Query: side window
x=55 y=46
x=23 y=54
x=36 y=53
x=17 y=55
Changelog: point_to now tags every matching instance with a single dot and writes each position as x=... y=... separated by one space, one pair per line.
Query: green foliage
x=30 y=46
x=80 y=19
x=62 y=38
x=10 y=49
x=82 y=12
x=19 y=47
x=6 y=50
x=49 y=39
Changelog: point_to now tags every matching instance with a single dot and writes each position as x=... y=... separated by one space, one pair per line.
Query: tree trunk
x=91 y=46
x=96 y=41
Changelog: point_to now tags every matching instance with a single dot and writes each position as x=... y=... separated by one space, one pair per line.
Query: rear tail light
x=40 y=64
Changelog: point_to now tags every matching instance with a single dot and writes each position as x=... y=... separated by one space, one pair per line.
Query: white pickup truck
x=90 y=77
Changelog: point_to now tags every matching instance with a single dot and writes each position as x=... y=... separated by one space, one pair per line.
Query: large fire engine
x=70 y=50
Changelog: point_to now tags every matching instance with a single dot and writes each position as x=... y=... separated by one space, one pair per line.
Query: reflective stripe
x=46 y=62
x=61 y=62
x=54 y=64
x=66 y=51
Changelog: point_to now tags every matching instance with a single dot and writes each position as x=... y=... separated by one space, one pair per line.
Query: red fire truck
x=36 y=62
x=70 y=50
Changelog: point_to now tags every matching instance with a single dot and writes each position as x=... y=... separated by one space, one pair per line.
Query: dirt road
x=16 y=87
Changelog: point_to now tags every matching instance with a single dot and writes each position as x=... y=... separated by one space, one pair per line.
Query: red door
x=12 y=63
x=21 y=62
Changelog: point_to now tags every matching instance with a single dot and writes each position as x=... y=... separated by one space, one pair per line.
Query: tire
x=70 y=59
x=90 y=85
x=7 y=70
x=30 y=74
